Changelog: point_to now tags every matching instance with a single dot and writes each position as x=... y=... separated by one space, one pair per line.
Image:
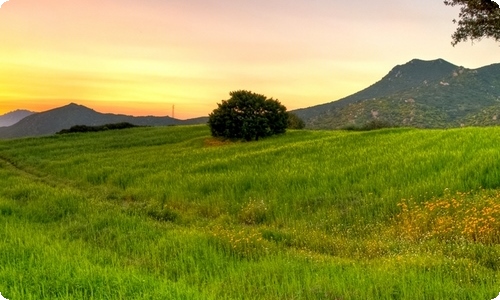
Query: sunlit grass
x=170 y=213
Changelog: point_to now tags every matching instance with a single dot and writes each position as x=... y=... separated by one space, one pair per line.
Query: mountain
x=54 y=120
x=426 y=94
x=13 y=117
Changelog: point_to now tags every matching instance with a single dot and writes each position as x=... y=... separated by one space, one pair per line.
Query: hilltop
x=425 y=94
x=13 y=117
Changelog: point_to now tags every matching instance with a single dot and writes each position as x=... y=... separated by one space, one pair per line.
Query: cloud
x=2 y=2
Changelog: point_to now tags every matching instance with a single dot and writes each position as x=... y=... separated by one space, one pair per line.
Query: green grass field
x=171 y=213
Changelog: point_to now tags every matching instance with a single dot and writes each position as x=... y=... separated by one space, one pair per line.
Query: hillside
x=13 y=117
x=171 y=213
x=425 y=94
x=55 y=120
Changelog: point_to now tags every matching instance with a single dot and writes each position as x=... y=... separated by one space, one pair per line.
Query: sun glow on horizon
x=142 y=57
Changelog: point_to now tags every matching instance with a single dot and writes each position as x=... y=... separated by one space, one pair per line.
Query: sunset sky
x=140 y=57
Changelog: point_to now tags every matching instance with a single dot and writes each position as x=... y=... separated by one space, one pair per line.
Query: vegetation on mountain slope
x=433 y=94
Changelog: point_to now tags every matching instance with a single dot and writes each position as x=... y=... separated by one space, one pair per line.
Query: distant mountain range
x=425 y=94
x=54 y=120
x=13 y=117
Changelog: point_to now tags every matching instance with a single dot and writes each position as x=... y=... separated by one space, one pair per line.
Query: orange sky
x=141 y=57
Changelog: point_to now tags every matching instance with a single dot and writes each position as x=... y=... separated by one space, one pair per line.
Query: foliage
x=477 y=19
x=370 y=125
x=295 y=122
x=156 y=213
x=248 y=116
x=85 y=128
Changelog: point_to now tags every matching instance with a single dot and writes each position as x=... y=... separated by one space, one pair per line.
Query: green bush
x=371 y=125
x=248 y=116
x=295 y=122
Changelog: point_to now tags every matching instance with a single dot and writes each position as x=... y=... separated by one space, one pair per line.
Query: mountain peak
x=428 y=65
x=13 y=117
x=72 y=108
x=428 y=62
x=74 y=105
x=418 y=71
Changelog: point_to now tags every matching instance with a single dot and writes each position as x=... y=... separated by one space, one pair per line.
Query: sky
x=144 y=57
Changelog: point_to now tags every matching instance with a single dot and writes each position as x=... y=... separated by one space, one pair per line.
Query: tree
x=477 y=19
x=249 y=116
x=295 y=122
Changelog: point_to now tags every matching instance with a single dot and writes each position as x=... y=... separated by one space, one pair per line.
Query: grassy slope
x=169 y=213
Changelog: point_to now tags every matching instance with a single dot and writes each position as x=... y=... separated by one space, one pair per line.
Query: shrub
x=248 y=116
x=295 y=122
x=371 y=125
x=85 y=128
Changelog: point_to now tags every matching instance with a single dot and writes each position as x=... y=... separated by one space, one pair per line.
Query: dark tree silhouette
x=249 y=116
x=477 y=19
x=85 y=128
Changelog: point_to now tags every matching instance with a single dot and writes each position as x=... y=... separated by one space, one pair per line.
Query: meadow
x=172 y=213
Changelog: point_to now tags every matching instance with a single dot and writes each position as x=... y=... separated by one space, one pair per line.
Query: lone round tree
x=248 y=116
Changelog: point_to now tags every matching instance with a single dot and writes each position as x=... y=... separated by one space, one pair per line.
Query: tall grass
x=170 y=213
